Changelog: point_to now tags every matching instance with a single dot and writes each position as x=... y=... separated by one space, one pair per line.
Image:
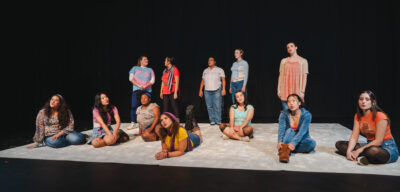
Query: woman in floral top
x=55 y=125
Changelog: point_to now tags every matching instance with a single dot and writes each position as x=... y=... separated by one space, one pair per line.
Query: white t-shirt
x=212 y=78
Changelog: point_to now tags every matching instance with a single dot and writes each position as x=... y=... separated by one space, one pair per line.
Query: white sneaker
x=245 y=139
x=362 y=160
x=132 y=126
x=225 y=137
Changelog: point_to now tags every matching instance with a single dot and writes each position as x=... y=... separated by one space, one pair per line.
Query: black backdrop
x=78 y=49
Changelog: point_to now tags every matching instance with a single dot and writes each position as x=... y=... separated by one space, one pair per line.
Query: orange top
x=368 y=126
x=291 y=79
x=164 y=79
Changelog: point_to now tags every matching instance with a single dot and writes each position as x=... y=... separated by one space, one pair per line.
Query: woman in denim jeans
x=371 y=121
x=55 y=125
x=293 y=133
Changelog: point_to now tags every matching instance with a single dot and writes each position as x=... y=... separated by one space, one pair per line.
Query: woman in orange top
x=293 y=73
x=372 y=122
x=170 y=86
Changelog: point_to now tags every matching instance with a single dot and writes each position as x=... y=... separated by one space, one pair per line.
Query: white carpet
x=258 y=154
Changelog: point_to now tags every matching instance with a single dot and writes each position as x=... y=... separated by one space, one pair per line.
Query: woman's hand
x=200 y=93
x=175 y=95
x=291 y=147
x=161 y=155
x=161 y=95
x=31 y=147
x=279 y=93
x=236 y=128
x=243 y=89
x=230 y=90
x=279 y=145
x=56 y=136
x=223 y=92
x=301 y=95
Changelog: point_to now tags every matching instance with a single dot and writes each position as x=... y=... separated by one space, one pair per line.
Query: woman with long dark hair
x=240 y=74
x=371 y=121
x=55 y=125
x=103 y=114
x=293 y=72
x=170 y=86
x=293 y=133
x=142 y=78
x=176 y=140
x=240 y=115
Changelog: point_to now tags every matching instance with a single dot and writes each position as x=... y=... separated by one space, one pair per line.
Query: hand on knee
x=97 y=142
x=109 y=139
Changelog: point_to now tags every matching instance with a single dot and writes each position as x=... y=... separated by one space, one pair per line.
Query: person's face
x=54 y=102
x=291 y=48
x=239 y=96
x=166 y=122
x=238 y=54
x=166 y=62
x=293 y=103
x=364 y=101
x=104 y=99
x=144 y=62
x=144 y=99
x=211 y=62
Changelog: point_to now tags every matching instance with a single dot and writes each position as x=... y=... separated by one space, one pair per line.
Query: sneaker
x=132 y=126
x=362 y=160
x=212 y=123
x=225 y=137
x=245 y=139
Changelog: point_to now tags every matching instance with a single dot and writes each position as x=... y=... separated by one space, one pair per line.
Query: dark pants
x=169 y=100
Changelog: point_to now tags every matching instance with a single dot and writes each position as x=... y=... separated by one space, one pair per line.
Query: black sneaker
x=362 y=160
x=189 y=118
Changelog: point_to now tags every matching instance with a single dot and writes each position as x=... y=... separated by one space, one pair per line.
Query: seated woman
x=371 y=121
x=176 y=140
x=55 y=125
x=148 y=115
x=240 y=115
x=293 y=133
x=103 y=112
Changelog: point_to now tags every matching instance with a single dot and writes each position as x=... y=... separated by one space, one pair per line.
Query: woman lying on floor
x=176 y=140
x=371 y=121
x=148 y=115
x=55 y=125
x=240 y=115
x=103 y=134
x=293 y=133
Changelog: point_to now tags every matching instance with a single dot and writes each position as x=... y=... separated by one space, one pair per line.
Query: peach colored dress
x=292 y=77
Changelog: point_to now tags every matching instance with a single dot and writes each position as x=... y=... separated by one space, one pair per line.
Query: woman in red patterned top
x=170 y=86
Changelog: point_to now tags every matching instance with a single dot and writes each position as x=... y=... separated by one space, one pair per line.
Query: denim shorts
x=98 y=132
x=195 y=139
x=391 y=147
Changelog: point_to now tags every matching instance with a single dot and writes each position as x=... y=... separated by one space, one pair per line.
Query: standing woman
x=293 y=73
x=240 y=74
x=170 y=87
x=176 y=140
x=293 y=132
x=142 y=78
x=103 y=112
x=371 y=121
x=55 y=125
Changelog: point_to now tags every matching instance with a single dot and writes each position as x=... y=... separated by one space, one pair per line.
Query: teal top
x=240 y=116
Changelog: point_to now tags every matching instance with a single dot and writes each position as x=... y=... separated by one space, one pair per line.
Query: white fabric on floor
x=258 y=154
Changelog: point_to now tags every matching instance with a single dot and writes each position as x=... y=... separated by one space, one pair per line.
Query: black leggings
x=374 y=154
x=169 y=99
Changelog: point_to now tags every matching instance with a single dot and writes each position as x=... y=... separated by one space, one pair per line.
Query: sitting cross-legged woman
x=176 y=140
x=371 y=121
x=103 y=112
x=240 y=115
x=55 y=125
x=293 y=133
x=148 y=116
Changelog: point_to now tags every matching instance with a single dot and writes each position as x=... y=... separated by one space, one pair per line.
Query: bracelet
x=167 y=155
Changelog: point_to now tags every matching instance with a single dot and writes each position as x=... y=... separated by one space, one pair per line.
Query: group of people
x=54 y=124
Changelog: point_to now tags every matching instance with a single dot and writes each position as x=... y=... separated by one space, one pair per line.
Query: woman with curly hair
x=103 y=112
x=55 y=125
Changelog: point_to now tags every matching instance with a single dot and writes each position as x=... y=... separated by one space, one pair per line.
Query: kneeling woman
x=148 y=115
x=103 y=112
x=176 y=140
x=371 y=121
x=240 y=115
x=55 y=125
x=293 y=133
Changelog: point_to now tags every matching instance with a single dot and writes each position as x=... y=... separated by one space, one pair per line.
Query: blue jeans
x=98 y=132
x=391 y=147
x=214 y=102
x=306 y=145
x=285 y=106
x=73 y=138
x=236 y=86
x=195 y=139
x=134 y=106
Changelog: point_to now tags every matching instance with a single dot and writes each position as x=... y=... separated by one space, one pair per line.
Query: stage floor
x=258 y=154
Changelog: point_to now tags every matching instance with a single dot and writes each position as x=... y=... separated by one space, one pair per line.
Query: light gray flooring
x=258 y=154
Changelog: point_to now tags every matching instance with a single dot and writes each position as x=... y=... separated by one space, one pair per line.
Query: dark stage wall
x=79 y=49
